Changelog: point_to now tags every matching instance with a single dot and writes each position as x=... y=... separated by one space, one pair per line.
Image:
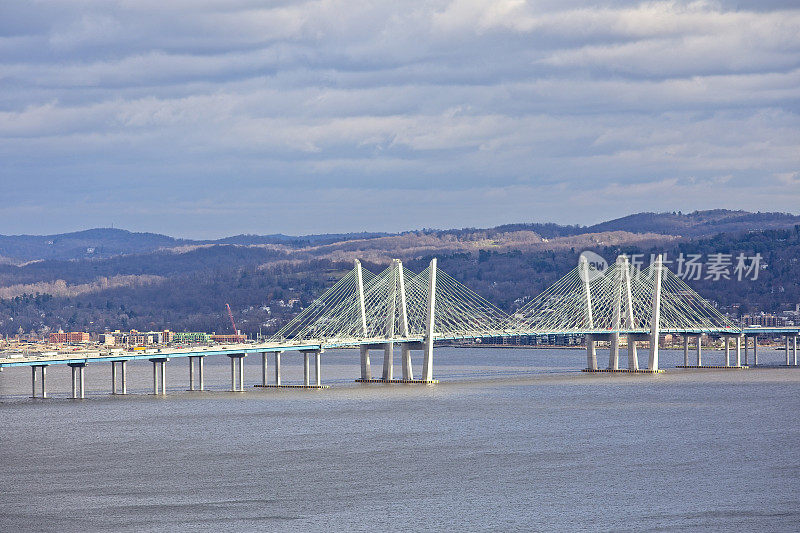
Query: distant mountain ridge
x=698 y=223
x=98 y=242
x=101 y=243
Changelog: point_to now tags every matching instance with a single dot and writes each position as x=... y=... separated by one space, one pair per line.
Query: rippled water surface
x=511 y=439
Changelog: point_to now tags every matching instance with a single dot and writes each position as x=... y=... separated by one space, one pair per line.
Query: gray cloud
x=196 y=117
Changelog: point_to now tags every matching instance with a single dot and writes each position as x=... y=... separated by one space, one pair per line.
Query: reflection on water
x=511 y=439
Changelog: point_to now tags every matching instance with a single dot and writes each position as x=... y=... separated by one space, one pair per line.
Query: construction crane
x=230 y=315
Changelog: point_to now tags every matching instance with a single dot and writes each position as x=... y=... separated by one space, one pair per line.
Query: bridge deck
x=77 y=357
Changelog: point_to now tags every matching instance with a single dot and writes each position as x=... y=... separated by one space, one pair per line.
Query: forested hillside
x=184 y=285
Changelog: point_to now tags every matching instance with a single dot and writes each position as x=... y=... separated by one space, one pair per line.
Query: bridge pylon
x=430 y=317
x=655 y=320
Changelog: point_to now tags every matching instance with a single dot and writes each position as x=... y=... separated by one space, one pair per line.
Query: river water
x=511 y=439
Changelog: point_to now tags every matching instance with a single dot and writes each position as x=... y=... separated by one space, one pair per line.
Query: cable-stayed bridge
x=398 y=307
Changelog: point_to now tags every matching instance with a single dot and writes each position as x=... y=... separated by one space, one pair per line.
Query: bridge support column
x=191 y=373
x=318 y=368
x=755 y=350
x=237 y=371
x=427 y=361
x=123 y=370
x=738 y=350
x=727 y=339
x=746 y=362
x=613 y=355
x=388 y=361
x=278 y=368
x=241 y=372
x=633 y=357
x=699 y=350
x=114 y=387
x=786 y=343
x=686 y=350
x=366 y=373
x=43 y=374
x=78 y=388
x=306 y=376
x=155 y=377
x=264 y=369
x=159 y=367
x=405 y=355
x=591 y=353
x=794 y=349
x=200 y=359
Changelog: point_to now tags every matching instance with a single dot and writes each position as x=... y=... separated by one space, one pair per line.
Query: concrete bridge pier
x=237 y=371
x=738 y=350
x=746 y=362
x=43 y=374
x=686 y=350
x=633 y=357
x=78 y=373
x=124 y=379
x=791 y=359
x=306 y=374
x=199 y=359
x=388 y=361
x=278 y=368
x=786 y=343
x=123 y=370
x=727 y=341
x=427 y=361
x=405 y=355
x=699 y=350
x=591 y=353
x=264 y=368
x=613 y=354
x=366 y=373
x=318 y=367
x=755 y=350
x=159 y=367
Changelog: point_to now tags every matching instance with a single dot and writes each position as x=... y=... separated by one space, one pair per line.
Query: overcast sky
x=203 y=118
